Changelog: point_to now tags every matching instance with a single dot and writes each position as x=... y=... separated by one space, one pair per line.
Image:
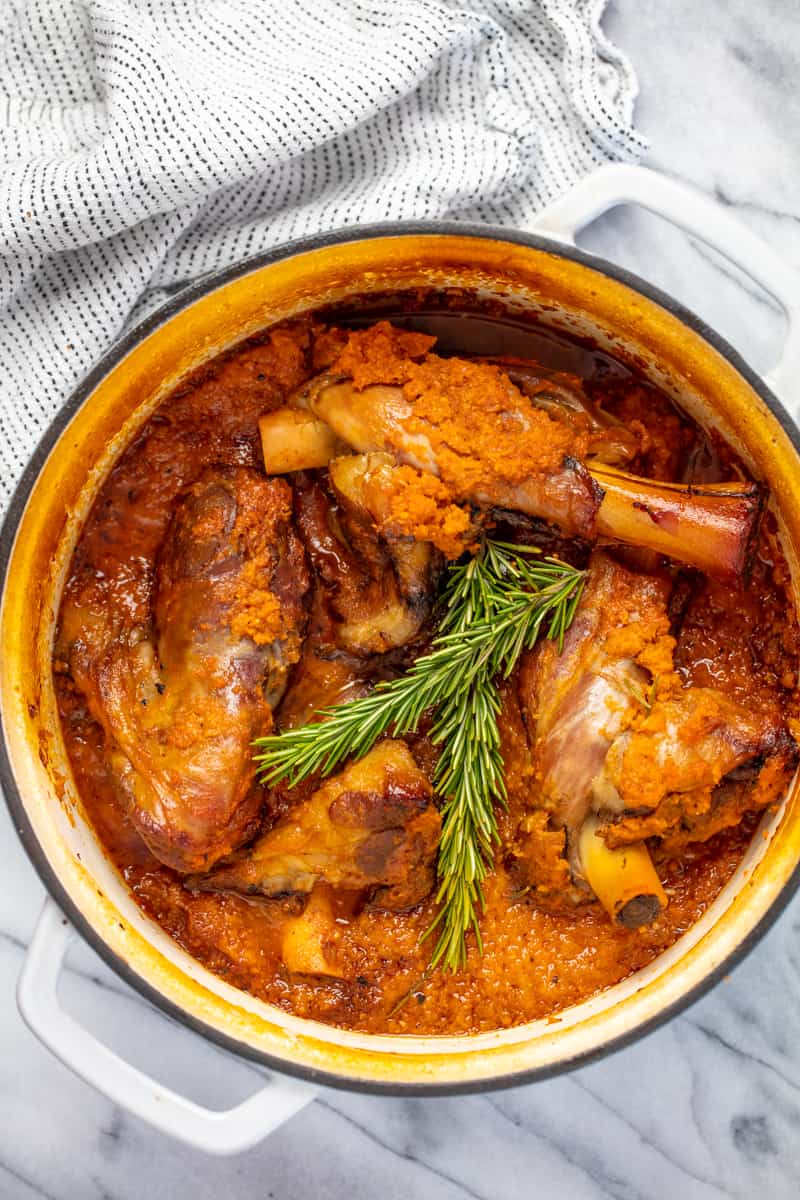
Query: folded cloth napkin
x=145 y=142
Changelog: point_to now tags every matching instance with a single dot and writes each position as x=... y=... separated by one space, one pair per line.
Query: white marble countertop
x=708 y=1106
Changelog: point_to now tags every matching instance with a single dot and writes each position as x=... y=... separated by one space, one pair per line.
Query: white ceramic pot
x=538 y=271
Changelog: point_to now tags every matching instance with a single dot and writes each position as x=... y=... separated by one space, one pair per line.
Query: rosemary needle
x=494 y=607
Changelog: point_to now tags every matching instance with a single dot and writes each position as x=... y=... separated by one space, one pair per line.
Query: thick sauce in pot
x=742 y=640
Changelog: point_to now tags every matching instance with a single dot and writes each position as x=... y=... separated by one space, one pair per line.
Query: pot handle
x=215 y=1132
x=703 y=218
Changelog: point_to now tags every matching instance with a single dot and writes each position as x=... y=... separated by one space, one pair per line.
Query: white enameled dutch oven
x=537 y=271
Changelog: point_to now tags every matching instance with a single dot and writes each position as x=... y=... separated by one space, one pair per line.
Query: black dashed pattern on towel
x=145 y=142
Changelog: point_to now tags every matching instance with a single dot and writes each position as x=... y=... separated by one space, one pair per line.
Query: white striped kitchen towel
x=145 y=142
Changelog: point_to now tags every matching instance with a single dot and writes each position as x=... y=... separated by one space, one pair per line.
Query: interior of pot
x=516 y=282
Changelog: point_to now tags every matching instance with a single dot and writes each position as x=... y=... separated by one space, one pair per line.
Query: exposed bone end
x=641 y=910
x=293 y=440
x=624 y=880
x=712 y=527
x=304 y=948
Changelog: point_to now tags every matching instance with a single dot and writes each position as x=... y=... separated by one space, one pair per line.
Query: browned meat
x=493 y=449
x=379 y=590
x=325 y=674
x=181 y=705
x=750 y=788
x=622 y=752
x=493 y=445
x=372 y=826
x=578 y=701
x=685 y=743
x=691 y=768
x=372 y=592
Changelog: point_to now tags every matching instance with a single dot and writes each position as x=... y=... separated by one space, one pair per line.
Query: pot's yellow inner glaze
x=565 y=294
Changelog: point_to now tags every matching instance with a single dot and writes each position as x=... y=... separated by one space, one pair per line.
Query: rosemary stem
x=495 y=606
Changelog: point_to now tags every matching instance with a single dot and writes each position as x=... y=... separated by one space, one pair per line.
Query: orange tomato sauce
x=535 y=963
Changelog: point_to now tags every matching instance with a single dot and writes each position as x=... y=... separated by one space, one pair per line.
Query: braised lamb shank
x=372 y=826
x=624 y=752
x=181 y=703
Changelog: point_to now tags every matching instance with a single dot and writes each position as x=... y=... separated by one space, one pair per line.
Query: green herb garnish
x=495 y=606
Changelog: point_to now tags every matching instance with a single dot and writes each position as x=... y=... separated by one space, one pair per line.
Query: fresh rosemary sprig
x=495 y=606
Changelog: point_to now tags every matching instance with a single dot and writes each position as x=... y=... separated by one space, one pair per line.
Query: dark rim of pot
x=183 y=299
